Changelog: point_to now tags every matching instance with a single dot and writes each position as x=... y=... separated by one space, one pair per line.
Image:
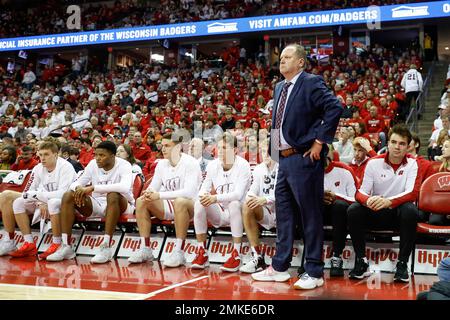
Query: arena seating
x=434 y=197
x=97 y=15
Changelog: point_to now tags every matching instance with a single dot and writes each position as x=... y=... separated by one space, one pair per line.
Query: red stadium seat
x=14 y=187
x=434 y=197
x=137 y=186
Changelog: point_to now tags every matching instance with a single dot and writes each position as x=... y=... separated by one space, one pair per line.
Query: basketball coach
x=305 y=118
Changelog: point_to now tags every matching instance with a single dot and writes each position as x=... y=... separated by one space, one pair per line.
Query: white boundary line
x=154 y=293
x=42 y=288
x=129 y=295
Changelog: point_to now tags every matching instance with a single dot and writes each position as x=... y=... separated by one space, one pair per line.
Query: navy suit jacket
x=312 y=112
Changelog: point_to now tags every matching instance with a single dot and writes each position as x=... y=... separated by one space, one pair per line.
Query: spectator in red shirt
x=375 y=124
x=25 y=161
x=141 y=151
x=86 y=153
x=386 y=109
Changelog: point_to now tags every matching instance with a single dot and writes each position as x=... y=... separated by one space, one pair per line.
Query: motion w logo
x=224 y=188
x=172 y=184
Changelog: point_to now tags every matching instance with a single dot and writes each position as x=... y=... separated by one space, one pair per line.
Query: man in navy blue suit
x=305 y=118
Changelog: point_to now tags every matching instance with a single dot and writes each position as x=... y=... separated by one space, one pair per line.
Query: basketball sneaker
x=360 y=270
x=269 y=274
x=175 y=259
x=28 y=249
x=233 y=263
x=105 y=254
x=7 y=246
x=201 y=260
x=64 y=252
x=401 y=272
x=142 y=255
x=306 y=282
x=337 y=269
x=52 y=249
x=256 y=264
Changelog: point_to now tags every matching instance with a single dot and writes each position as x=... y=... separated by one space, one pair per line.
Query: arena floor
x=78 y=279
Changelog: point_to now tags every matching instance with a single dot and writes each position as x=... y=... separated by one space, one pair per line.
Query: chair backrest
x=434 y=194
x=138 y=184
x=16 y=187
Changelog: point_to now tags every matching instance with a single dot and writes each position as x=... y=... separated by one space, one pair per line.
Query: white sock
x=179 y=244
x=6 y=235
x=28 y=238
x=107 y=239
x=237 y=246
x=65 y=240
x=57 y=240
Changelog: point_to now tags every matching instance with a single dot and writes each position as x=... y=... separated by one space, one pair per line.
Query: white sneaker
x=7 y=246
x=307 y=282
x=142 y=255
x=176 y=259
x=254 y=265
x=64 y=252
x=270 y=274
x=104 y=255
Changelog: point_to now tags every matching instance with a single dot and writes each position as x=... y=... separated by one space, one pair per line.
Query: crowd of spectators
x=120 y=14
x=291 y=6
x=135 y=106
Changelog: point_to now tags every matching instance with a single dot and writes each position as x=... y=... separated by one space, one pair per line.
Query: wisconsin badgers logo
x=225 y=188
x=444 y=182
x=172 y=184
x=400 y=172
x=337 y=183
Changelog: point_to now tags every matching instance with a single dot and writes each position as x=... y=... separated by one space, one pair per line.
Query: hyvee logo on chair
x=94 y=241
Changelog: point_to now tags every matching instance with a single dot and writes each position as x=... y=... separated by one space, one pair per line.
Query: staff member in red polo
x=389 y=188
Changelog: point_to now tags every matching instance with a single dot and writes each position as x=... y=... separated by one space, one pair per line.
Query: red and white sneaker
x=201 y=260
x=233 y=263
x=52 y=249
x=28 y=249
